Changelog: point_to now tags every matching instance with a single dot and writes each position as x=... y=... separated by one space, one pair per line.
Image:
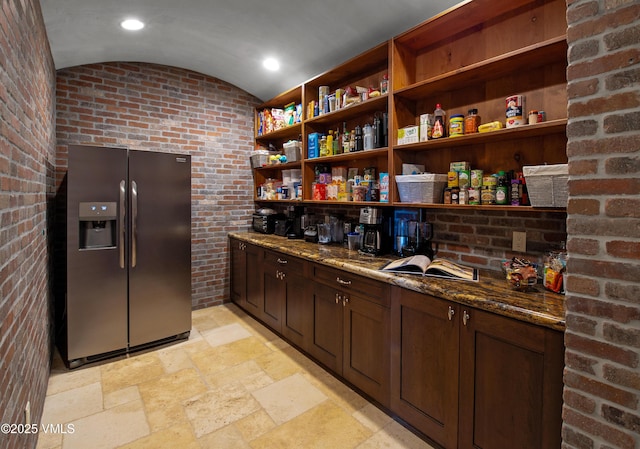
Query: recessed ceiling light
x=271 y=64
x=132 y=24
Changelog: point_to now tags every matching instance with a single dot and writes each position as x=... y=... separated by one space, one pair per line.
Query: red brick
x=622 y=207
x=593 y=427
x=599 y=389
x=598 y=349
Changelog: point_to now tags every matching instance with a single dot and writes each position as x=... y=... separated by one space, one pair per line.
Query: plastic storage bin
x=422 y=188
x=259 y=159
x=547 y=184
x=292 y=150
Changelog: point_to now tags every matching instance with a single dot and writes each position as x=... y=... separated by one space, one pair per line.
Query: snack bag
x=555 y=265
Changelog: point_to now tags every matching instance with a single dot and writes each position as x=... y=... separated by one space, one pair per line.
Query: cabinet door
x=253 y=279
x=297 y=310
x=510 y=384
x=326 y=329
x=424 y=360
x=274 y=292
x=238 y=272
x=366 y=346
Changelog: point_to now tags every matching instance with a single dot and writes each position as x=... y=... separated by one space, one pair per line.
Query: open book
x=424 y=266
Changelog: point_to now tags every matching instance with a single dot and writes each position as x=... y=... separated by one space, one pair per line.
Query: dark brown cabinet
x=350 y=329
x=247 y=289
x=510 y=383
x=285 y=307
x=471 y=379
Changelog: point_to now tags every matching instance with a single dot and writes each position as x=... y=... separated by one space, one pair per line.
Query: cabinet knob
x=342 y=282
x=282 y=261
x=338 y=298
x=345 y=300
x=450 y=313
x=465 y=317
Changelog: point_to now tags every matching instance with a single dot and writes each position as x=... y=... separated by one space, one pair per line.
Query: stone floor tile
x=288 y=398
x=69 y=405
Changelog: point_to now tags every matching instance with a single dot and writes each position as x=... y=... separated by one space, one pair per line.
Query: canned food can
x=488 y=195
x=515 y=111
x=476 y=178
x=463 y=178
x=542 y=116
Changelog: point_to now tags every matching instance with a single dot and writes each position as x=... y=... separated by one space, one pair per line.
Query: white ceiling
x=228 y=39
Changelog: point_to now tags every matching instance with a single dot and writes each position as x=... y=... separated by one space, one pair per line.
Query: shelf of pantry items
x=291 y=132
x=354 y=155
x=537 y=55
x=518 y=132
x=494 y=207
x=369 y=106
x=348 y=203
x=279 y=166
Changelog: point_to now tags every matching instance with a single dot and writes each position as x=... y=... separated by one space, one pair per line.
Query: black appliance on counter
x=264 y=220
x=295 y=222
x=373 y=241
x=412 y=234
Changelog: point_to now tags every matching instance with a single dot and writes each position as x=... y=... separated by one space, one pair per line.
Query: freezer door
x=160 y=243
x=96 y=302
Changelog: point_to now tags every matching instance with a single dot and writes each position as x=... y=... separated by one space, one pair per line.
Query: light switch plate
x=519 y=243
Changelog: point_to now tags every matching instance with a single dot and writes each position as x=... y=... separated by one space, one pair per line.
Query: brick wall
x=602 y=375
x=159 y=108
x=27 y=158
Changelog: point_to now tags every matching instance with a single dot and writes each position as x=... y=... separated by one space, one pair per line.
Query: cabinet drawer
x=286 y=263
x=348 y=282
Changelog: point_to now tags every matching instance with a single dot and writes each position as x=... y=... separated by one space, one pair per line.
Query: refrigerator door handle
x=121 y=228
x=134 y=223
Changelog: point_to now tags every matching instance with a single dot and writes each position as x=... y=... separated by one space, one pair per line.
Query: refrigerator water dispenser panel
x=97 y=224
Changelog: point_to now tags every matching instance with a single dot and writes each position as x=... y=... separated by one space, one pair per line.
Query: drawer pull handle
x=465 y=317
x=342 y=282
x=450 y=313
x=282 y=261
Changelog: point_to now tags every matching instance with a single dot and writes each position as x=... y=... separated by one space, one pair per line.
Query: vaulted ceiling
x=229 y=39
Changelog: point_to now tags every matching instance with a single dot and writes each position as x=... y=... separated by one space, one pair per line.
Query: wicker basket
x=547 y=185
x=423 y=188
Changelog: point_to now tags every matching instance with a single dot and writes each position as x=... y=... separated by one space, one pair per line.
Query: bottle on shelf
x=337 y=142
x=384 y=84
x=359 y=144
x=352 y=141
x=330 y=143
x=368 y=137
x=323 y=146
x=345 y=138
x=440 y=123
x=502 y=190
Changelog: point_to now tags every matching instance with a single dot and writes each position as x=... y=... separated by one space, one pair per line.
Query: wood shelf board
x=368 y=61
x=519 y=132
x=276 y=167
x=366 y=107
x=293 y=95
x=356 y=155
x=291 y=132
x=509 y=208
x=533 y=56
x=458 y=19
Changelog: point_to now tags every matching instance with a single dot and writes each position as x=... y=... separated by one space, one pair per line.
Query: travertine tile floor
x=233 y=384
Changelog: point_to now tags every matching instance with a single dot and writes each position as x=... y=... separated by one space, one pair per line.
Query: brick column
x=602 y=375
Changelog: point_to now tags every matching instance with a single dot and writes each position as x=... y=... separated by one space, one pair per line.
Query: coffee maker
x=372 y=241
x=295 y=229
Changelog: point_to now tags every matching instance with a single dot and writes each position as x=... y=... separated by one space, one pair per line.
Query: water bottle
x=368 y=137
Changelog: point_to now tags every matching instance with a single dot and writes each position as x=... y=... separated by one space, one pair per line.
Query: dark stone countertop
x=492 y=293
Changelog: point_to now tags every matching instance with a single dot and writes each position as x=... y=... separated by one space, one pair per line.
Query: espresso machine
x=412 y=234
x=372 y=241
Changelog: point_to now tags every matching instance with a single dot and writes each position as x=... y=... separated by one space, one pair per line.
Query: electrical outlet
x=519 y=243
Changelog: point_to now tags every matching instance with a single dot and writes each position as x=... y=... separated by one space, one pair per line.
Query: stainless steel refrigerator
x=128 y=251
